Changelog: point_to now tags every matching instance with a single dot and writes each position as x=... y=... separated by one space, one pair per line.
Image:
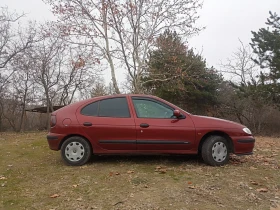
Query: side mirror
x=177 y=113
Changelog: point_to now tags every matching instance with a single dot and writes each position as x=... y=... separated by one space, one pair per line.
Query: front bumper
x=54 y=140
x=243 y=145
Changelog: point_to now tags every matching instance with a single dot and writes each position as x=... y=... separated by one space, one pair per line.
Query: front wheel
x=215 y=151
x=76 y=151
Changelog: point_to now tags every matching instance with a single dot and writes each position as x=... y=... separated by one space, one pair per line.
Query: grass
x=31 y=174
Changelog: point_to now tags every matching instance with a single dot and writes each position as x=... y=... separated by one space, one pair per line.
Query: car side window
x=151 y=109
x=114 y=107
x=90 y=109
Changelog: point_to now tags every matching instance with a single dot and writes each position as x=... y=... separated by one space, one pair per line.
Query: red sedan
x=142 y=124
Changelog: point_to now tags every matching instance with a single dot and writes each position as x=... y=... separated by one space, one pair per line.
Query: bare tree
x=240 y=96
x=47 y=58
x=23 y=84
x=12 y=39
x=240 y=67
x=122 y=32
x=79 y=74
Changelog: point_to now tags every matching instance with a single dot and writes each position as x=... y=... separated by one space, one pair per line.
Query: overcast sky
x=226 y=21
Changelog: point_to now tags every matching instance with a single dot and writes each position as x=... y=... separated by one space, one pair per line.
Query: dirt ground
x=34 y=177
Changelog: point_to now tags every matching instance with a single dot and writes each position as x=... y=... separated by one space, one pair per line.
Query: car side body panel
x=109 y=135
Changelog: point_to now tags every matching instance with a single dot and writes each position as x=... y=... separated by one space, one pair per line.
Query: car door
x=109 y=124
x=157 y=128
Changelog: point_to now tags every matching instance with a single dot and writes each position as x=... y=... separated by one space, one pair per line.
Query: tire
x=215 y=151
x=76 y=151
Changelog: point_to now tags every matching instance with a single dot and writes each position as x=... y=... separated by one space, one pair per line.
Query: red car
x=141 y=124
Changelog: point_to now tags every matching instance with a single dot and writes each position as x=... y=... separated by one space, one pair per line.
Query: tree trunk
x=22 y=111
x=108 y=53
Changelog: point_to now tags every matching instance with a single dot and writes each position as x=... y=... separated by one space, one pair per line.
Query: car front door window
x=151 y=109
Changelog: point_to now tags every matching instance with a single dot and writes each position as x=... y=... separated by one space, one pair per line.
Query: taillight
x=53 y=120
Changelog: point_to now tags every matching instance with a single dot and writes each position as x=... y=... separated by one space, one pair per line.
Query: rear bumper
x=54 y=140
x=243 y=145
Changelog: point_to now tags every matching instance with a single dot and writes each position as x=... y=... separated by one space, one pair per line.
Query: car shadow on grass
x=147 y=159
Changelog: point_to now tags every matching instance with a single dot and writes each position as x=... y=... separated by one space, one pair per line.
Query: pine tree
x=266 y=46
x=177 y=74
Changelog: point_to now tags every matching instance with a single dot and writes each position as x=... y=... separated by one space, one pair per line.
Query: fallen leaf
x=192 y=187
x=130 y=172
x=162 y=171
x=252 y=196
x=254 y=183
x=111 y=174
x=189 y=182
x=79 y=199
x=54 y=196
x=75 y=185
x=117 y=173
x=262 y=190
x=275 y=208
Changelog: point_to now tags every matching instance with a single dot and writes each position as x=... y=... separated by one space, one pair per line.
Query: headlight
x=247 y=130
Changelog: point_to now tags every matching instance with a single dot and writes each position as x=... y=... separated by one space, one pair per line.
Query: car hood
x=212 y=122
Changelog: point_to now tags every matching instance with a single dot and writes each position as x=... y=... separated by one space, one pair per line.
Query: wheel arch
x=216 y=133
x=71 y=135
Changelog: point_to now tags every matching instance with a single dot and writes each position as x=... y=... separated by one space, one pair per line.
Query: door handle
x=87 y=124
x=144 y=125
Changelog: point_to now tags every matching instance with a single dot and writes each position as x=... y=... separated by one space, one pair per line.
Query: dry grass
x=31 y=174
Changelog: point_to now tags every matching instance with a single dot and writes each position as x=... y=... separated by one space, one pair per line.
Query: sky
x=226 y=22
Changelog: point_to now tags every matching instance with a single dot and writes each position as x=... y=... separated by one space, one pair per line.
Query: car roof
x=123 y=95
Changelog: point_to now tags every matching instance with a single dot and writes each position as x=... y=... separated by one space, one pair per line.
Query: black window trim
x=98 y=101
x=156 y=101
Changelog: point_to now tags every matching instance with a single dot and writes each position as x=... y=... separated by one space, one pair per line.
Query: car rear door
x=157 y=129
x=109 y=124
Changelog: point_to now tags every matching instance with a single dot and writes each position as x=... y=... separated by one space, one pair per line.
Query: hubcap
x=74 y=151
x=219 y=151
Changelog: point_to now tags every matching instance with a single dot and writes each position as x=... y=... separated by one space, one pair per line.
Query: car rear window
x=113 y=107
x=91 y=109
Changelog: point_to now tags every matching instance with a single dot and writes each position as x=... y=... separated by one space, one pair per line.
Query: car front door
x=157 y=128
x=109 y=124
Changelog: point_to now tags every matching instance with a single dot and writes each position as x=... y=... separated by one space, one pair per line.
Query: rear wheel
x=215 y=151
x=76 y=151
